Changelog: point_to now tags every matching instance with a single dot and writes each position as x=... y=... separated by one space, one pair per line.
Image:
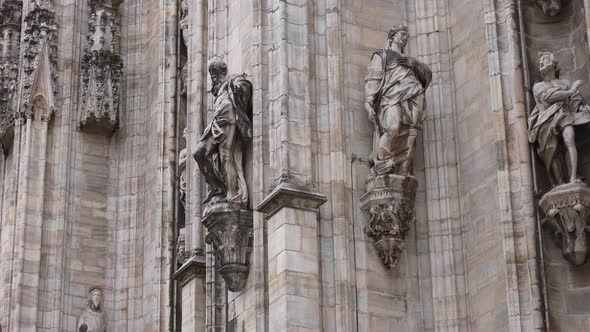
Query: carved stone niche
x=101 y=71
x=230 y=233
x=10 y=27
x=549 y=7
x=389 y=202
x=566 y=209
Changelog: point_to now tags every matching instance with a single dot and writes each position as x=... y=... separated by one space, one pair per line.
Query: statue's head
x=95 y=298
x=398 y=35
x=548 y=62
x=218 y=72
x=184 y=133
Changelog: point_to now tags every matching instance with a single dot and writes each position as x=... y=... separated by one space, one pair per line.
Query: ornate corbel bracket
x=389 y=202
x=566 y=209
x=230 y=233
x=549 y=7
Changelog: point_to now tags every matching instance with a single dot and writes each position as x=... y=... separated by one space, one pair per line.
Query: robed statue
x=93 y=318
x=559 y=107
x=394 y=98
x=220 y=151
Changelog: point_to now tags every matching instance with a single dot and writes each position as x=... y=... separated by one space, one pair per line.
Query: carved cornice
x=194 y=267
x=293 y=196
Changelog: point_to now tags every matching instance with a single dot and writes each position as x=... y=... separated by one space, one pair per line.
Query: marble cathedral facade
x=292 y=165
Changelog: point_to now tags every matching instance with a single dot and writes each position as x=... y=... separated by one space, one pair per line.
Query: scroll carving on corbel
x=40 y=59
x=549 y=7
x=10 y=34
x=560 y=107
x=220 y=156
x=101 y=70
x=395 y=88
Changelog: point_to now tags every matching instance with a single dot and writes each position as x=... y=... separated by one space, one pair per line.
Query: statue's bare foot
x=212 y=193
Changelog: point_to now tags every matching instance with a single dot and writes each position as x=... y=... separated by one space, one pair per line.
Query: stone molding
x=231 y=233
x=194 y=267
x=293 y=196
x=389 y=202
x=567 y=209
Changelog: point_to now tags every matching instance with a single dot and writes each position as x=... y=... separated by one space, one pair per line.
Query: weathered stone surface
x=389 y=202
x=230 y=234
x=567 y=210
x=101 y=70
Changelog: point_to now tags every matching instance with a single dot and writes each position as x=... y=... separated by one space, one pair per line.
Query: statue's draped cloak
x=389 y=83
x=233 y=106
x=548 y=120
x=95 y=320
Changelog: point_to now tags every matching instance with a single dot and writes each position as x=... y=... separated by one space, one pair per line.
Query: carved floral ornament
x=101 y=70
x=10 y=27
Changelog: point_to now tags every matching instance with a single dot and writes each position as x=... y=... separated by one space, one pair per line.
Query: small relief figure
x=93 y=318
x=219 y=153
x=181 y=255
x=559 y=108
x=182 y=170
x=394 y=88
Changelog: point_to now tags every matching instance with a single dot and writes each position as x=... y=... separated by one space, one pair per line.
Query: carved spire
x=40 y=58
x=10 y=26
x=101 y=70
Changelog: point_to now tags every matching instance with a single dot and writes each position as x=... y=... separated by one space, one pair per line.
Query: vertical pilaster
x=293 y=258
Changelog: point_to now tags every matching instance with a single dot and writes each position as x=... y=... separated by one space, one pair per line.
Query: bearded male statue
x=220 y=152
x=394 y=100
x=93 y=318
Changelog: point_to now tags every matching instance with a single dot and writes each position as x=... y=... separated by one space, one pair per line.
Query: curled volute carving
x=10 y=28
x=40 y=57
x=101 y=70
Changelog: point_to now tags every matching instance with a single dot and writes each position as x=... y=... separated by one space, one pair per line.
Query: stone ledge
x=293 y=196
x=193 y=268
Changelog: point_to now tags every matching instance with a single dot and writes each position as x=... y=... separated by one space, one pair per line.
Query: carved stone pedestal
x=230 y=233
x=566 y=209
x=389 y=201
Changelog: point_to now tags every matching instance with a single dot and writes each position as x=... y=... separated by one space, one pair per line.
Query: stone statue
x=93 y=318
x=559 y=108
x=219 y=153
x=182 y=170
x=181 y=254
x=549 y=7
x=394 y=90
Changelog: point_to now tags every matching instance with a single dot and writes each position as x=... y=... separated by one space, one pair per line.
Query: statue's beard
x=216 y=87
